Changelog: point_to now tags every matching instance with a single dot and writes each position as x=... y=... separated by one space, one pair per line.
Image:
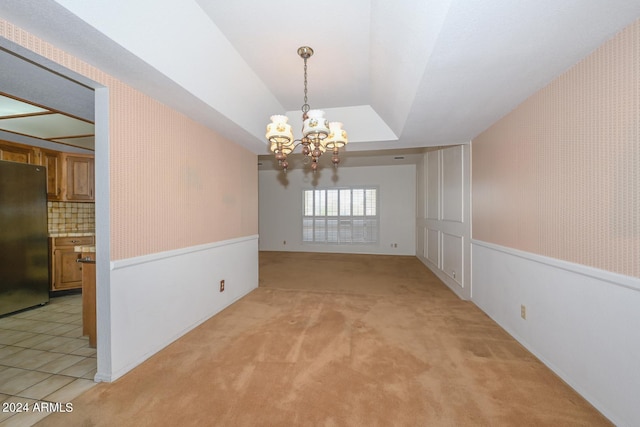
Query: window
x=340 y=215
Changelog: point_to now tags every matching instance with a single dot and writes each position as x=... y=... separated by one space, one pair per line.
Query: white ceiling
x=28 y=119
x=41 y=107
x=399 y=74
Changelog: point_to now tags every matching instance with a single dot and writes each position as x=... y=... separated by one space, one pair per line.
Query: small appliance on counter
x=24 y=263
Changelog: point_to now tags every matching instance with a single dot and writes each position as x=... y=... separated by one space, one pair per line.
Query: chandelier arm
x=296 y=143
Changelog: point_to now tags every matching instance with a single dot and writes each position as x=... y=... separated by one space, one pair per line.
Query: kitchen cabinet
x=70 y=176
x=52 y=161
x=66 y=272
x=79 y=178
x=89 y=297
x=18 y=153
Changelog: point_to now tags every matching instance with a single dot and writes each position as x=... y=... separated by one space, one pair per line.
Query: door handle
x=86 y=260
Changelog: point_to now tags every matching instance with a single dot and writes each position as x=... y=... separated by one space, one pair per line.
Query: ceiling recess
x=24 y=118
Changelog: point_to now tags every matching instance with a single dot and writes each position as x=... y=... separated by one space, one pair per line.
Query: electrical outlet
x=523 y=312
x=221 y=285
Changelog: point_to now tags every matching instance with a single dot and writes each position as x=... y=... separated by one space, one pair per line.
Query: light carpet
x=339 y=340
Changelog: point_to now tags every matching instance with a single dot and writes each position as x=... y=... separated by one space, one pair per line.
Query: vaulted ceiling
x=399 y=74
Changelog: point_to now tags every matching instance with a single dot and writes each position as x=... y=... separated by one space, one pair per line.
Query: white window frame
x=341 y=216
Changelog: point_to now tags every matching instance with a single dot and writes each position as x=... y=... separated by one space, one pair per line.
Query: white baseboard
x=445 y=278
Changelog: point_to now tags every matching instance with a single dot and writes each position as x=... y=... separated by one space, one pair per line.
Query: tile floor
x=43 y=358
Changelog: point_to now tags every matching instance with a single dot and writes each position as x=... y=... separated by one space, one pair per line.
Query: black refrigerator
x=24 y=246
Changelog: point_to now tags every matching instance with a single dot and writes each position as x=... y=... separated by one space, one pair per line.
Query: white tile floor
x=43 y=358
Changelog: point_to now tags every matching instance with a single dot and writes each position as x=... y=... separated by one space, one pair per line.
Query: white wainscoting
x=433 y=246
x=452 y=257
x=442 y=216
x=582 y=322
x=156 y=299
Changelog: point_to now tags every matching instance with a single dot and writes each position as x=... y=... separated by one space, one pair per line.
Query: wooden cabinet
x=79 y=178
x=66 y=273
x=89 y=297
x=52 y=160
x=18 y=153
x=70 y=176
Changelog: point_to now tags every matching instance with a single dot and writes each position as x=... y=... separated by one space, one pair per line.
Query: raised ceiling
x=27 y=119
x=399 y=74
x=39 y=104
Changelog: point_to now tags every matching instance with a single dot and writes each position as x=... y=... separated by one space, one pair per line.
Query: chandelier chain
x=305 y=106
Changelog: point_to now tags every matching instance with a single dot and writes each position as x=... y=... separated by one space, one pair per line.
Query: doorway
x=55 y=87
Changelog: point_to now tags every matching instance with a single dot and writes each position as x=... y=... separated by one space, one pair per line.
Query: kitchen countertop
x=72 y=233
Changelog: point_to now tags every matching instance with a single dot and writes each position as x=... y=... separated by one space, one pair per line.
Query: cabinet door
x=67 y=273
x=51 y=160
x=80 y=178
x=18 y=153
x=89 y=298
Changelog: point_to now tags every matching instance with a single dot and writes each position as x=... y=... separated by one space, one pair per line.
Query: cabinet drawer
x=73 y=241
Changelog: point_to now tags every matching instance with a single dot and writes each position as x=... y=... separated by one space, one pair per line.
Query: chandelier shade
x=279 y=131
x=315 y=127
x=337 y=136
x=318 y=134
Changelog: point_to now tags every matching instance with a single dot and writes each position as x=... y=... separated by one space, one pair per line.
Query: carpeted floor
x=339 y=340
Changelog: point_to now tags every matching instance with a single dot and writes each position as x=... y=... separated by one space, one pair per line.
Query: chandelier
x=318 y=135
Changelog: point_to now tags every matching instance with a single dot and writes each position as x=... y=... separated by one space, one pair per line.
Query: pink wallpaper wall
x=560 y=175
x=174 y=183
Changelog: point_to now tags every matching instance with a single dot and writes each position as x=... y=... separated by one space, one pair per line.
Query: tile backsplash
x=66 y=217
